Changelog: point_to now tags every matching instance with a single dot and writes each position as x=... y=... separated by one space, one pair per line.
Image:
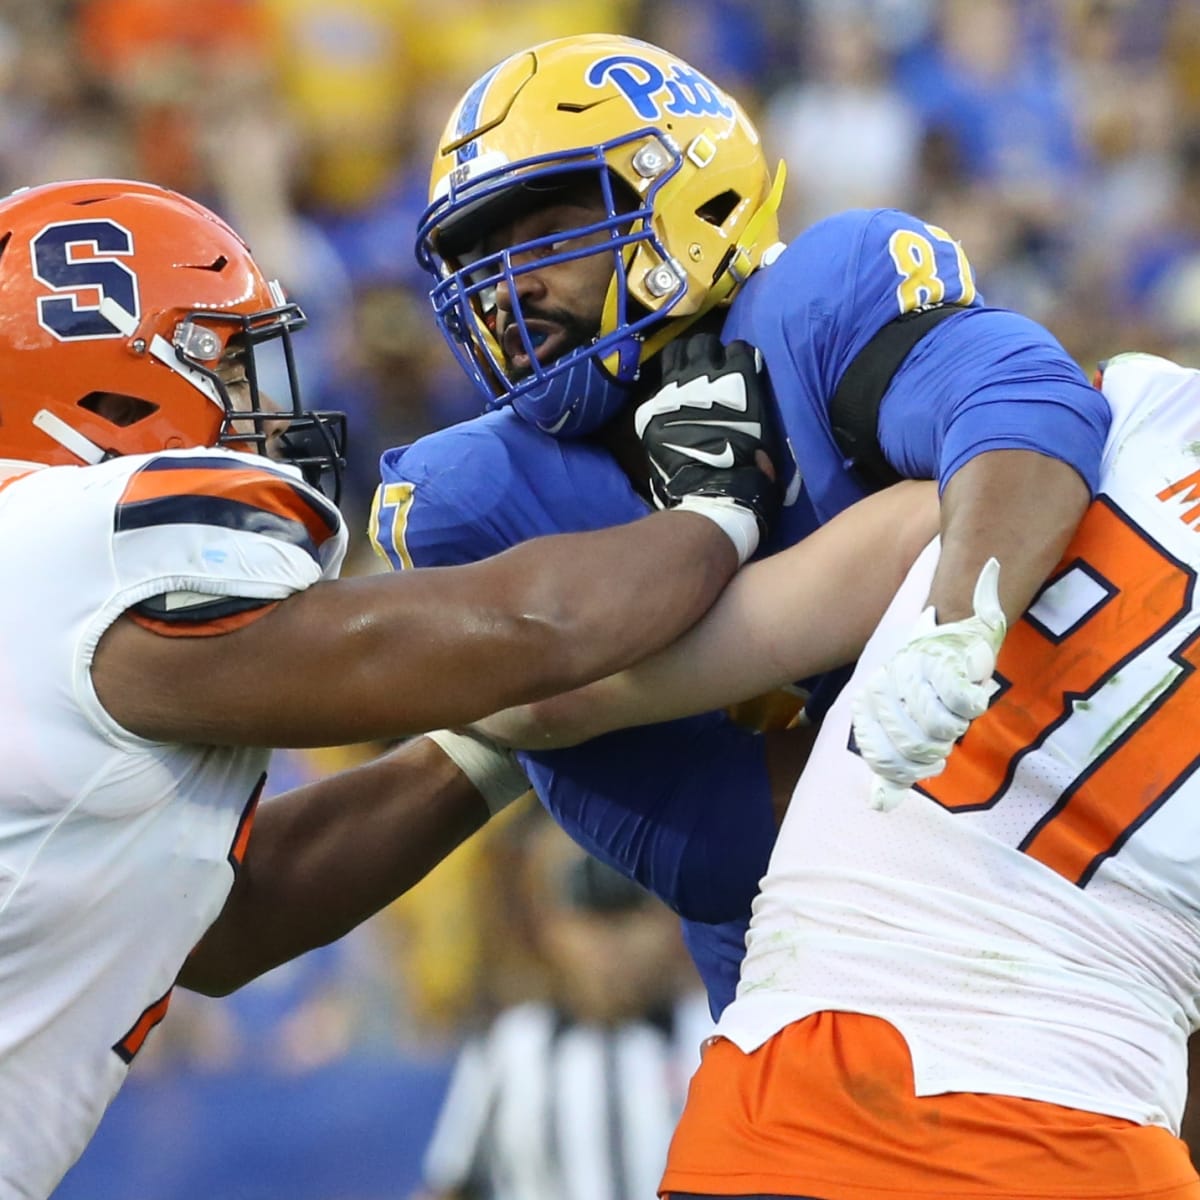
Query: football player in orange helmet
x=169 y=611
x=126 y=306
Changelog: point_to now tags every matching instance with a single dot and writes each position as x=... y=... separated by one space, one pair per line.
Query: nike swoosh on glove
x=918 y=704
x=710 y=433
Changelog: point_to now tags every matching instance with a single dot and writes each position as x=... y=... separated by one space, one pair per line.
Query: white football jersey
x=116 y=853
x=1030 y=919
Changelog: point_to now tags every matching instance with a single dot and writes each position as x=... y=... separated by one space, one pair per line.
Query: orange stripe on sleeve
x=227 y=624
x=260 y=489
x=126 y=1049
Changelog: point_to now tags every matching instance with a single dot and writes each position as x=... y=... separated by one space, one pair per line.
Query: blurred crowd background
x=1059 y=140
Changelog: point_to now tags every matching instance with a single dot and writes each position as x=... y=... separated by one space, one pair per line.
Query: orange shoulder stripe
x=243 y=485
x=218 y=625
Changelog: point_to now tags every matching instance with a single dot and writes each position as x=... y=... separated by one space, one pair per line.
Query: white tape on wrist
x=739 y=524
x=493 y=769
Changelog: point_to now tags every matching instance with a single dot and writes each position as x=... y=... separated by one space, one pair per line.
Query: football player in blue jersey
x=594 y=200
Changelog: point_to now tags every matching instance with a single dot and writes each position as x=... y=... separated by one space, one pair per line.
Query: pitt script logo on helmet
x=689 y=212
x=122 y=291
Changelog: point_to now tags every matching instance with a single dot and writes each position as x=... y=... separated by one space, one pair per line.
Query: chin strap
x=57 y=430
x=742 y=260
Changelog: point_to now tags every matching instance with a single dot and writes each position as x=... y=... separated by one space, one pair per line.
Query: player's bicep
x=145 y=673
x=335 y=663
x=355 y=660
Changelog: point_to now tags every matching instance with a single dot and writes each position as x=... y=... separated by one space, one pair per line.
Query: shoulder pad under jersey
x=225 y=523
x=474 y=489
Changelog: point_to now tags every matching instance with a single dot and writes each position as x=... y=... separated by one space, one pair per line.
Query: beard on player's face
x=556 y=331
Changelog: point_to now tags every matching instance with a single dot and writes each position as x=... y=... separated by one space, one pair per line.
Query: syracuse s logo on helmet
x=75 y=260
x=640 y=82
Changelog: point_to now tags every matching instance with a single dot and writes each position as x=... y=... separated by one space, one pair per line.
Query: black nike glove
x=710 y=430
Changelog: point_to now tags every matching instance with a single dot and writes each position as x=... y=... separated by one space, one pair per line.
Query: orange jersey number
x=1045 y=677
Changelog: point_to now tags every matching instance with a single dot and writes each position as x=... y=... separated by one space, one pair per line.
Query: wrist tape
x=738 y=523
x=493 y=769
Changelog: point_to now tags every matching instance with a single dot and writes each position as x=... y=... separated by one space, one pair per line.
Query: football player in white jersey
x=167 y=612
x=985 y=989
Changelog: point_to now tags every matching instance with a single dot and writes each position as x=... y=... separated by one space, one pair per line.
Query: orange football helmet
x=690 y=213
x=111 y=287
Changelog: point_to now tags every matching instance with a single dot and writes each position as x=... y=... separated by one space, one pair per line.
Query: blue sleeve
x=453 y=497
x=990 y=379
x=683 y=807
x=985 y=379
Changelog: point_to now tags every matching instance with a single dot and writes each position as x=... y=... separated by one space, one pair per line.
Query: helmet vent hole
x=716 y=211
x=4 y=243
x=218 y=264
x=581 y=106
x=118 y=409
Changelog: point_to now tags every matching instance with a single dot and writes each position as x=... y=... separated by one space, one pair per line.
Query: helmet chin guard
x=578 y=400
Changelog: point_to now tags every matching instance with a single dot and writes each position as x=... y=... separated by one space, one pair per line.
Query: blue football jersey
x=683 y=807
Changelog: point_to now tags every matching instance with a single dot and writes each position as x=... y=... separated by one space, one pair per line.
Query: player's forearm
x=325 y=857
x=1016 y=505
x=378 y=657
x=730 y=656
x=559 y=611
x=609 y=598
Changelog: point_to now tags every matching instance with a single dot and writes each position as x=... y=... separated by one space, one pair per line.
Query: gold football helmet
x=691 y=209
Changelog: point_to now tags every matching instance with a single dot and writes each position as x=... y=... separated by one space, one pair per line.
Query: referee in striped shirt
x=575 y=1097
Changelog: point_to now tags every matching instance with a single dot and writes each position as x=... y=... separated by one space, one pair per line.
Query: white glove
x=917 y=705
